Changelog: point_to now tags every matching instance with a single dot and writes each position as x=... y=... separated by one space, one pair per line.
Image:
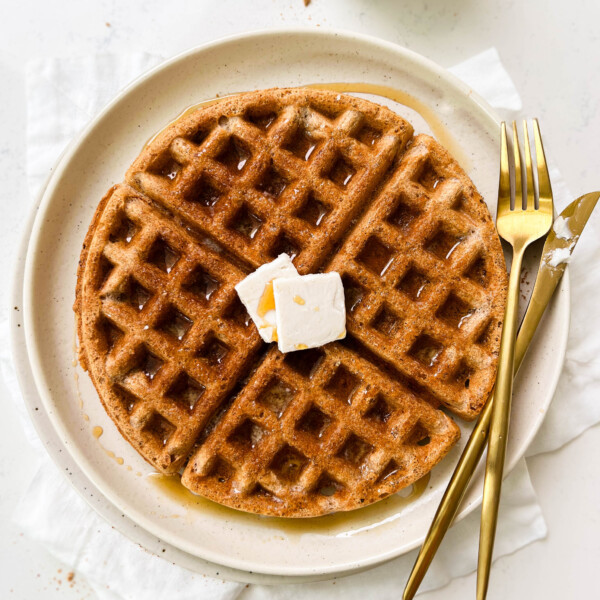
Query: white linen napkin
x=63 y=94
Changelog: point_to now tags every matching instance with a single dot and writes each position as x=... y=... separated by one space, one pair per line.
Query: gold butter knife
x=558 y=248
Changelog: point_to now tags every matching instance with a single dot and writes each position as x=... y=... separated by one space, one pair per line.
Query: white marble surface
x=552 y=51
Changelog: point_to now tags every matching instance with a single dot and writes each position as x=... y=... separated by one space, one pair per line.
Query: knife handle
x=470 y=457
x=546 y=282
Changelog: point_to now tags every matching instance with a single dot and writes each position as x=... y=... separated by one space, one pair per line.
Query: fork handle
x=465 y=468
x=499 y=428
x=451 y=500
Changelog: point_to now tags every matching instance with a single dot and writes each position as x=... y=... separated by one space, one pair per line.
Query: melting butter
x=267 y=300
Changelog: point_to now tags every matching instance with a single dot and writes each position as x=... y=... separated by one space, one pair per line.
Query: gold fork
x=519 y=226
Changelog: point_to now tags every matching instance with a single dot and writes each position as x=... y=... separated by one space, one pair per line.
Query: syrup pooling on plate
x=341 y=524
x=186 y=111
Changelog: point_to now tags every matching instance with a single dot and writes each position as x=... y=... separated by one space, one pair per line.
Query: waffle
x=338 y=183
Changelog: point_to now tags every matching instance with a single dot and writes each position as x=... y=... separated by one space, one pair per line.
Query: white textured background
x=551 y=49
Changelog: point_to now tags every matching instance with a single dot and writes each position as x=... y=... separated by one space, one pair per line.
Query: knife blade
x=559 y=246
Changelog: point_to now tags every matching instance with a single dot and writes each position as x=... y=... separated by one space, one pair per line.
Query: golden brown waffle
x=339 y=183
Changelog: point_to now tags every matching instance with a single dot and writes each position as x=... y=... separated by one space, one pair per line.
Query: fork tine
x=504 y=185
x=545 y=189
x=530 y=191
x=518 y=179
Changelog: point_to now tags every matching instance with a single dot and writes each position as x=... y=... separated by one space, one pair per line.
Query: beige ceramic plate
x=314 y=548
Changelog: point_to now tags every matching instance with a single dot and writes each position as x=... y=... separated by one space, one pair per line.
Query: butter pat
x=311 y=311
x=561 y=228
x=256 y=294
x=559 y=256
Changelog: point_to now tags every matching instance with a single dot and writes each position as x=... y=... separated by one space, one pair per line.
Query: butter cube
x=311 y=311
x=256 y=294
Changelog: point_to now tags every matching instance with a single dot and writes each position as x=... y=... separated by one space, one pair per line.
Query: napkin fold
x=63 y=95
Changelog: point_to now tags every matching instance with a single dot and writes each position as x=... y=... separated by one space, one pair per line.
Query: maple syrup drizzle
x=342 y=524
x=74 y=346
x=267 y=300
x=188 y=111
x=97 y=432
x=439 y=130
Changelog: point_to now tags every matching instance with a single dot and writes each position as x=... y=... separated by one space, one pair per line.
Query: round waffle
x=338 y=183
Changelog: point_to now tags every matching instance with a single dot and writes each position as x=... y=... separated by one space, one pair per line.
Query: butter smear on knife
x=559 y=256
x=561 y=229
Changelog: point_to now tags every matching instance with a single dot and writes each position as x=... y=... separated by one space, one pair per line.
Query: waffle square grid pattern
x=341 y=186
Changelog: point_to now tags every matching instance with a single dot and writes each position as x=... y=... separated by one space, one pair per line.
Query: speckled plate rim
x=561 y=304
